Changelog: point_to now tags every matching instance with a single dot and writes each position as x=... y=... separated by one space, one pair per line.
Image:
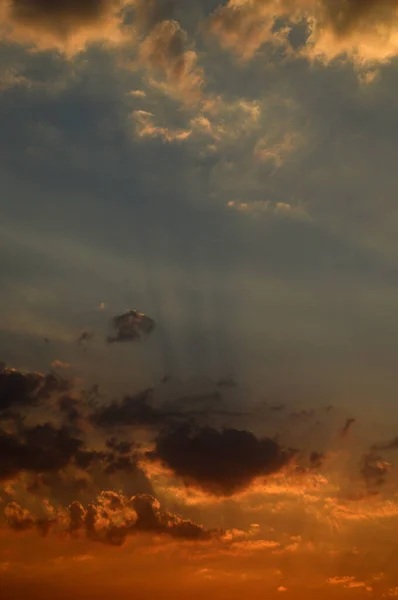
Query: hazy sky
x=229 y=169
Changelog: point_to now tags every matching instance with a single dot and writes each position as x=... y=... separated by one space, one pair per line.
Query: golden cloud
x=365 y=30
x=171 y=63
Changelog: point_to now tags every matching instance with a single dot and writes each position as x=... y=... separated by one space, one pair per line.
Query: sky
x=198 y=270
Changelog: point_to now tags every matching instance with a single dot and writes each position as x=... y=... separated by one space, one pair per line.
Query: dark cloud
x=69 y=406
x=317 y=459
x=347 y=426
x=61 y=17
x=130 y=326
x=142 y=410
x=111 y=520
x=120 y=446
x=18 y=518
x=131 y=410
x=392 y=445
x=19 y=390
x=347 y=15
x=148 y=13
x=38 y=449
x=220 y=462
x=85 y=337
x=303 y=414
x=374 y=470
x=126 y=464
x=85 y=458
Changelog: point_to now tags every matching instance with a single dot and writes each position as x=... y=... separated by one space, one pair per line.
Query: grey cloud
x=130 y=326
x=19 y=390
x=347 y=427
x=391 y=445
x=144 y=410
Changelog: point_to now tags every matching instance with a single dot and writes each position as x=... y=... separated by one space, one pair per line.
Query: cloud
x=392 y=445
x=220 y=462
x=347 y=427
x=349 y=582
x=39 y=449
x=85 y=337
x=110 y=520
x=135 y=410
x=374 y=469
x=171 y=63
x=266 y=207
x=365 y=30
x=143 y=410
x=130 y=326
x=66 y=25
x=317 y=459
x=58 y=364
x=70 y=407
x=149 y=13
x=19 y=389
x=145 y=128
x=276 y=151
x=243 y=27
x=119 y=445
x=10 y=78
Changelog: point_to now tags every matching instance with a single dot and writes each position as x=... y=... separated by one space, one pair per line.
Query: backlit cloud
x=110 y=520
x=220 y=462
x=365 y=31
x=68 y=25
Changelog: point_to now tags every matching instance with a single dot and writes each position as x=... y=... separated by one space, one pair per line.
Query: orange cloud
x=366 y=30
x=171 y=63
x=145 y=128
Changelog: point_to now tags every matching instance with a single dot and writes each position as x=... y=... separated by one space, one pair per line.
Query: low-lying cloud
x=110 y=520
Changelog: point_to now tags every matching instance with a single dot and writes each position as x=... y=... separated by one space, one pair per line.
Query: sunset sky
x=199 y=299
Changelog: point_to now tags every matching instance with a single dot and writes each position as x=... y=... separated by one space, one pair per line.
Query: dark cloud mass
x=346 y=15
x=18 y=389
x=317 y=459
x=142 y=410
x=149 y=13
x=131 y=410
x=374 y=470
x=347 y=426
x=130 y=326
x=38 y=449
x=391 y=445
x=220 y=462
x=61 y=16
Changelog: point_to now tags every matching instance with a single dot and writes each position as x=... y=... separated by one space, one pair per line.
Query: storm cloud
x=220 y=462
